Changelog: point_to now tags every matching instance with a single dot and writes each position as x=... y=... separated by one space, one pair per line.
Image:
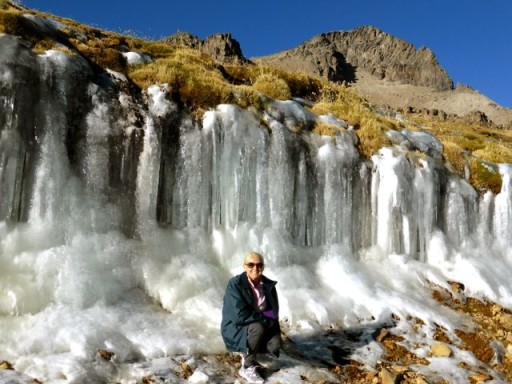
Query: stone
x=505 y=319
x=387 y=377
x=441 y=350
x=480 y=377
x=6 y=365
x=381 y=335
x=106 y=355
x=457 y=287
x=183 y=39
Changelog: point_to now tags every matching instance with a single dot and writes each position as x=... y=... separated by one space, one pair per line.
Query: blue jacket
x=239 y=310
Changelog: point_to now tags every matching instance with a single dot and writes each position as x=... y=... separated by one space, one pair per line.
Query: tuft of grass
x=272 y=86
x=104 y=56
x=191 y=74
x=456 y=156
x=484 y=176
x=344 y=104
x=324 y=129
x=10 y=22
x=482 y=144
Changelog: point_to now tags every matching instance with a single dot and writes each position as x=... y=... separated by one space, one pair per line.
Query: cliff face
x=337 y=55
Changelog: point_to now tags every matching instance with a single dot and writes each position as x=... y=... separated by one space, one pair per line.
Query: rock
x=505 y=319
x=477 y=117
x=457 y=287
x=387 y=377
x=495 y=309
x=424 y=142
x=106 y=355
x=224 y=49
x=441 y=350
x=221 y=46
x=381 y=335
x=480 y=377
x=6 y=365
x=183 y=39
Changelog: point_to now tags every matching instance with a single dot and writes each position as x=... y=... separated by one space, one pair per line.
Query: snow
x=134 y=58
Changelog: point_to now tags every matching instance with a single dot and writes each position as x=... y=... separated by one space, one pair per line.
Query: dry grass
x=474 y=146
x=10 y=22
x=370 y=127
x=272 y=86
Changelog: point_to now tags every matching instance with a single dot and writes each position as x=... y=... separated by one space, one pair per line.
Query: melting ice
x=123 y=219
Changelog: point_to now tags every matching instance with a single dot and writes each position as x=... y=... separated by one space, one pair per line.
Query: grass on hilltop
x=199 y=84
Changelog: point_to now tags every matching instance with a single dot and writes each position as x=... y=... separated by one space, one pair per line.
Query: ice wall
x=116 y=204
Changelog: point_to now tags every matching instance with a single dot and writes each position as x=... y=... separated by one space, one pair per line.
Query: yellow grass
x=272 y=86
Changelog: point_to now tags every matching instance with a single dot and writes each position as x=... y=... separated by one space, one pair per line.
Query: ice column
x=503 y=208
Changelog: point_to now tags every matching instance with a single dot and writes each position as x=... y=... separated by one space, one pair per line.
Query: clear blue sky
x=471 y=38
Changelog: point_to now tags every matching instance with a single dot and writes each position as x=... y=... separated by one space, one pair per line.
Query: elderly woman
x=250 y=316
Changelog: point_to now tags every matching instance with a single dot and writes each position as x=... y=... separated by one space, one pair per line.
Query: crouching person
x=250 y=316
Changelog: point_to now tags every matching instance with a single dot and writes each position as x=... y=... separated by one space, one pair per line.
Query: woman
x=250 y=316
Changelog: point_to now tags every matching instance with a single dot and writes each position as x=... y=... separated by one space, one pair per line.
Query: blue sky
x=470 y=38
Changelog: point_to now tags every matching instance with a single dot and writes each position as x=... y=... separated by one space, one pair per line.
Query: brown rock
x=381 y=335
x=505 y=319
x=106 y=355
x=495 y=309
x=6 y=365
x=480 y=377
x=183 y=39
x=457 y=287
x=387 y=377
x=441 y=350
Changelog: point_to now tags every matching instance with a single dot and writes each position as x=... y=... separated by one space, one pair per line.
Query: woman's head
x=254 y=265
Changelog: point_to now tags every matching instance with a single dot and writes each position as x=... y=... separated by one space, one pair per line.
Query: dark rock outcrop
x=224 y=49
x=335 y=55
x=221 y=46
x=184 y=39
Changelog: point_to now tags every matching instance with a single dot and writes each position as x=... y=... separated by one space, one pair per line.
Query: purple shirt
x=259 y=295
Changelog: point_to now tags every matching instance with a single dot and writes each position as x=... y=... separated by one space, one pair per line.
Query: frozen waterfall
x=122 y=219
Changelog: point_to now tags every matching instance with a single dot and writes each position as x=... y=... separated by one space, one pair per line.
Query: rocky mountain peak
x=337 y=56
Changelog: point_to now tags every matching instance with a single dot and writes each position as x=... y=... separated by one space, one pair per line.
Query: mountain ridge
x=384 y=69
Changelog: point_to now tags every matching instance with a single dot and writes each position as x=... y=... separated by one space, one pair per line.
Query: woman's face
x=253 y=265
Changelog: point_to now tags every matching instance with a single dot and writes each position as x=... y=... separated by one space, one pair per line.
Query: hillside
x=386 y=71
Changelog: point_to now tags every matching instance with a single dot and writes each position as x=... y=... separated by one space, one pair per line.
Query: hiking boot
x=251 y=374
